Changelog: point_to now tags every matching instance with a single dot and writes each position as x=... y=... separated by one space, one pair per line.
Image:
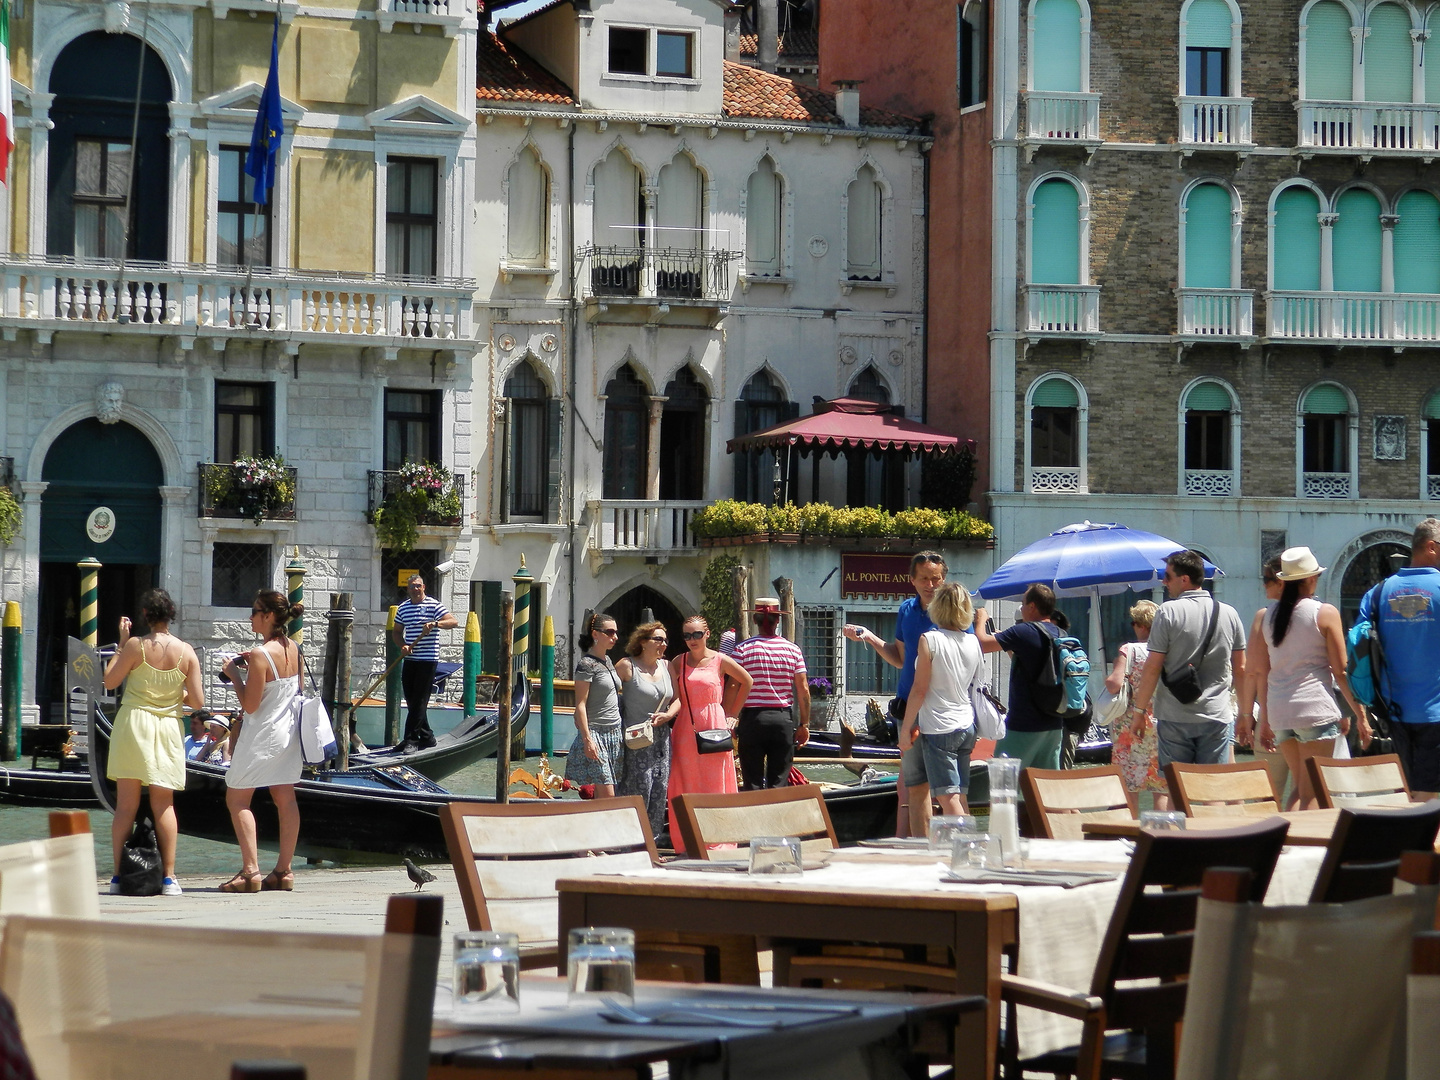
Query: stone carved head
x=109 y=397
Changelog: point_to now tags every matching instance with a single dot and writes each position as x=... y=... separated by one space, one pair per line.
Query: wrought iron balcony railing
x=228 y=490
x=656 y=273
x=445 y=507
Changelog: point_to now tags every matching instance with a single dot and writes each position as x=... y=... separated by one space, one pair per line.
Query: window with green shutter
x=1207 y=25
x=1417 y=243
x=1297 y=240
x=1055 y=394
x=1430 y=59
x=1329 y=53
x=1055 y=234
x=1432 y=407
x=1207 y=397
x=1388 y=54
x=1357 y=242
x=1207 y=427
x=1328 y=400
x=1207 y=237
x=1325 y=445
x=1056 y=63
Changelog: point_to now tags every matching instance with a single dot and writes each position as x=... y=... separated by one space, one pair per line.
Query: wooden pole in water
x=502 y=699
x=89 y=601
x=339 y=640
x=10 y=643
x=523 y=580
x=393 y=685
x=787 y=607
x=740 y=588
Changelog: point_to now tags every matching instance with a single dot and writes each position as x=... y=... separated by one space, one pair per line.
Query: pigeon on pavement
x=418 y=874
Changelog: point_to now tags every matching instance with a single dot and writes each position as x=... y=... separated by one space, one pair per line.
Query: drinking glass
x=1004 y=810
x=487 y=974
x=602 y=964
x=944 y=828
x=967 y=851
x=775 y=855
x=1162 y=820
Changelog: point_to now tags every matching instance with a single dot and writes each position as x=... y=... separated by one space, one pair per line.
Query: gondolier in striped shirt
x=776 y=717
x=416 y=623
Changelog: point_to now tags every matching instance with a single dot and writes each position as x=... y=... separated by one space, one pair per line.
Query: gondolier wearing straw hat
x=416 y=621
x=776 y=716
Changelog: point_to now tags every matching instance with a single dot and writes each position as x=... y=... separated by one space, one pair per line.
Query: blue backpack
x=1062 y=686
x=1365 y=661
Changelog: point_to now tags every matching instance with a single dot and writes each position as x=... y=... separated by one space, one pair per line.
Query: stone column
x=31 y=492
x=175 y=502
x=1387 y=251
x=652 y=449
x=1327 y=251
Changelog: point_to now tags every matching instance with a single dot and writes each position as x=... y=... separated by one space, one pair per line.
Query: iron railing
x=661 y=273
x=447 y=508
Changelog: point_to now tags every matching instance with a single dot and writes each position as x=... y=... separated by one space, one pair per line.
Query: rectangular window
x=485 y=600
x=1207 y=440
x=244 y=420
x=238 y=572
x=1207 y=72
x=529 y=457
x=102 y=179
x=818 y=641
x=1432 y=451
x=395 y=566
x=674 y=54
x=412 y=427
x=865 y=671
x=1054 y=437
x=629 y=51
x=411 y=222
x=972 y=74
x=1325 y=444
x=242 y=228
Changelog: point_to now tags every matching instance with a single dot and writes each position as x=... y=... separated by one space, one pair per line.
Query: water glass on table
x=968 y=851
x=776 y=855
x=602 y=964
x=945 y=828
x=1162 y=820
x=487 y=974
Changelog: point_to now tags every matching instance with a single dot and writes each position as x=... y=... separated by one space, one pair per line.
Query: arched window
x=527 y=231
x=1210 y=434
x=679 y=221
x=1209 y=236
x=873 y=479
x=1055 y=234
x=762 y=220
x=1327 y=443
x=1329 y=53
x=868 y=386
x=627 y=436
x=762 y=405
x=1357 y=242
x=1056 y=61
x=1417 y=243
x=619 y=227
x=865 y=203
x=532 y=448
x=1055 y=438
x=1208 y=40
x=682 y=437
x=1388 y=54
x=1430 y=448
x=1295 y=248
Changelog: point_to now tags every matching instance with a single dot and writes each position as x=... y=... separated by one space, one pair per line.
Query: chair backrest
x=1244 y=789
x=1364 y=852
x=1352 y=782
x=1149 y=936
x=1061 y=801
x=734 y=819
x=1262 y=988
x=104 y=999
x=1422 y=1033
x=508 y=857
x=54 y=876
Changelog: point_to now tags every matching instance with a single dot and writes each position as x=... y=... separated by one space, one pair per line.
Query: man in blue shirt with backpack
x=1032 y=735
x=1405 y=610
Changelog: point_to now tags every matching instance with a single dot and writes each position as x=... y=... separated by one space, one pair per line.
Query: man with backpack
x=1197 y=651
x=1404 y=609
x=1033 y=731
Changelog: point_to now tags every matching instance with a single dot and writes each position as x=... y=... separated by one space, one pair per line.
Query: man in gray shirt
x=1196 y=733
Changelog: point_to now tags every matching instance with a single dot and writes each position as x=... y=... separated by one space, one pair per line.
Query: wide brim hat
x=1298 y=563
x=769 y=604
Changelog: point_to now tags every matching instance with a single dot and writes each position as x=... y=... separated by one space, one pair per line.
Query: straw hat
x=1298 y=563
x=767 y=603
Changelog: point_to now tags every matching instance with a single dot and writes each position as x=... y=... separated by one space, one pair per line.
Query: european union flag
x=269 y=126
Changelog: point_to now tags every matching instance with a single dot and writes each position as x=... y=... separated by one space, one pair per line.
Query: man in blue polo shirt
x=1406 y=609
x=416 y=623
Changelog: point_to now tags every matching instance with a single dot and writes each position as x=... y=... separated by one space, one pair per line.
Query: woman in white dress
x=267 y=751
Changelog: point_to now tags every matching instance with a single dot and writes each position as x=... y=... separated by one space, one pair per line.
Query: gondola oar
x=385 y=674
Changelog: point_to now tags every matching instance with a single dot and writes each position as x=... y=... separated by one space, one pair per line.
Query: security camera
x=445 y=567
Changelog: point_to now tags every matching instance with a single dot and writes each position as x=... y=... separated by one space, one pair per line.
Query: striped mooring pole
x=472 y=660
x=89 y=601
x=394 y=688
x=521 y=650
x=295 y=586
x=547 y=687
x=10 y=640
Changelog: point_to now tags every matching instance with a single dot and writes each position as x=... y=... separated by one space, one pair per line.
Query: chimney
x=732 y=33
x=767 y=34
x=847 y=101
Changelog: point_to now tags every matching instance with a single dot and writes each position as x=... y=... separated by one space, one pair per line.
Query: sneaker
x=171 y=887
x=425 y=742
x=114 y=886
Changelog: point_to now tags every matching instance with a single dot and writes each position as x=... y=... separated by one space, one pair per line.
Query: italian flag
x=7 y=107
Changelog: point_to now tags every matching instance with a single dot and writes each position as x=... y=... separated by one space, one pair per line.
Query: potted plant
x=12 y=516
x=256 y=487
x=425 y=492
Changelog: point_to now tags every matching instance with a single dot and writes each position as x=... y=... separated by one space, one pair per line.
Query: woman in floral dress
x=1136 y=745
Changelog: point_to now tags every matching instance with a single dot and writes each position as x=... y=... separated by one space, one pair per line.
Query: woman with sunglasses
x=648 y=697
x=597 y=756
x=710 y=689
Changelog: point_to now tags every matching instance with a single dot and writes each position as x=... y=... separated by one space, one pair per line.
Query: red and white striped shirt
x=773 y=662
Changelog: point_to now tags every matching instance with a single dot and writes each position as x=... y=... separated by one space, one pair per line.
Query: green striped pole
x=522 y=581
x=472 y=660
x=10 y=640
x=295 y=585
x=89 y=601
x=547 y=687
x=393 y=687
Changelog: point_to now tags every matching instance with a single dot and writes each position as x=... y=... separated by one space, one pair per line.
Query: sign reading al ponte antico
x=867 y=575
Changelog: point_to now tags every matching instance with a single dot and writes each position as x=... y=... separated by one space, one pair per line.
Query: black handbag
x=1184 y=685
x=711 y=740
x=140 y=872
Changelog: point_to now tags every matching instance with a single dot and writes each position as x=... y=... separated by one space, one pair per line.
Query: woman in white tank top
x=1302 y=657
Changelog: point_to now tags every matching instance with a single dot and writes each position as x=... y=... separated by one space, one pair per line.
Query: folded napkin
x=1066 y=879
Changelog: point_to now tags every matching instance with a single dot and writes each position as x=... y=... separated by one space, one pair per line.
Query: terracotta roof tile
x=759 y=94
x=505 y=73
x=795 y=45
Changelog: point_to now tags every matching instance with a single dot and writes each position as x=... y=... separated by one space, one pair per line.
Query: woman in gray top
x=650 y=696
x=597 y=754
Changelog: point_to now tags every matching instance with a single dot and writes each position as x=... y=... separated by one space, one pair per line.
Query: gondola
x=47 y=787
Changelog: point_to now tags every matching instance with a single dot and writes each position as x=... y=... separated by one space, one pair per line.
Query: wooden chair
x=1244 y=789
x=154 y=1001
x=734 y=819
x=1262 y=1000
x=1139 y=982
x=1422 y=1032
x=508 y=857
x=1364 y=852
x=54 y=876
x=1060 y=801
x=1355 y=782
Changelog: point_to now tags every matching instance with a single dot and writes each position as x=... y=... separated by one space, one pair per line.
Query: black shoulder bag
x=1185 y=683
x=707 y=740
x=140 y=872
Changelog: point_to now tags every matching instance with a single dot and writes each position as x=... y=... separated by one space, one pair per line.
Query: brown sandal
x=278 y=882
x=242 y=882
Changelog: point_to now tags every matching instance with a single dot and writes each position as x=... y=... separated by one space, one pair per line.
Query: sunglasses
x=256 y=611
x=611 y=632
x=659 y=640
x=696 y=635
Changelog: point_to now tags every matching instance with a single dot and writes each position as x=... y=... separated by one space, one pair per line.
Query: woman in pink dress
x=699 y=676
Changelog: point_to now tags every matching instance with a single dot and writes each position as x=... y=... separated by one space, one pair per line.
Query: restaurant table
x=740 y=1031
x=899 y=897
x=1307 y=827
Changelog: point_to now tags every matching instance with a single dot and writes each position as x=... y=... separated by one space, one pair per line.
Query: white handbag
x=312 y=719
x=1113 y=707
x=989 y=713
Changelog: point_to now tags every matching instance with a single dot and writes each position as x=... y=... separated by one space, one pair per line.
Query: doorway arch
x=628 y=609
x=1361 y=564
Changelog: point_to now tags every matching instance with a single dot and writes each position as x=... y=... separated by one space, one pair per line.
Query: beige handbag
x=639 y=736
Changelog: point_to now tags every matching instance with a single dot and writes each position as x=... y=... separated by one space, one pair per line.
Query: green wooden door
x=1055 y=234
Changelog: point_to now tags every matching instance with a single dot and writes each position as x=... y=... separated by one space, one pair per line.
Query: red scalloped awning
x=851 y=423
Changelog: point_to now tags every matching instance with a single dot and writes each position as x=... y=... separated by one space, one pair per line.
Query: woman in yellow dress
x=147 y=745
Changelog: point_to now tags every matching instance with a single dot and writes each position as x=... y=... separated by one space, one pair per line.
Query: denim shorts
x=946 y=762
x=1204 y=743
x=1329 y=730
